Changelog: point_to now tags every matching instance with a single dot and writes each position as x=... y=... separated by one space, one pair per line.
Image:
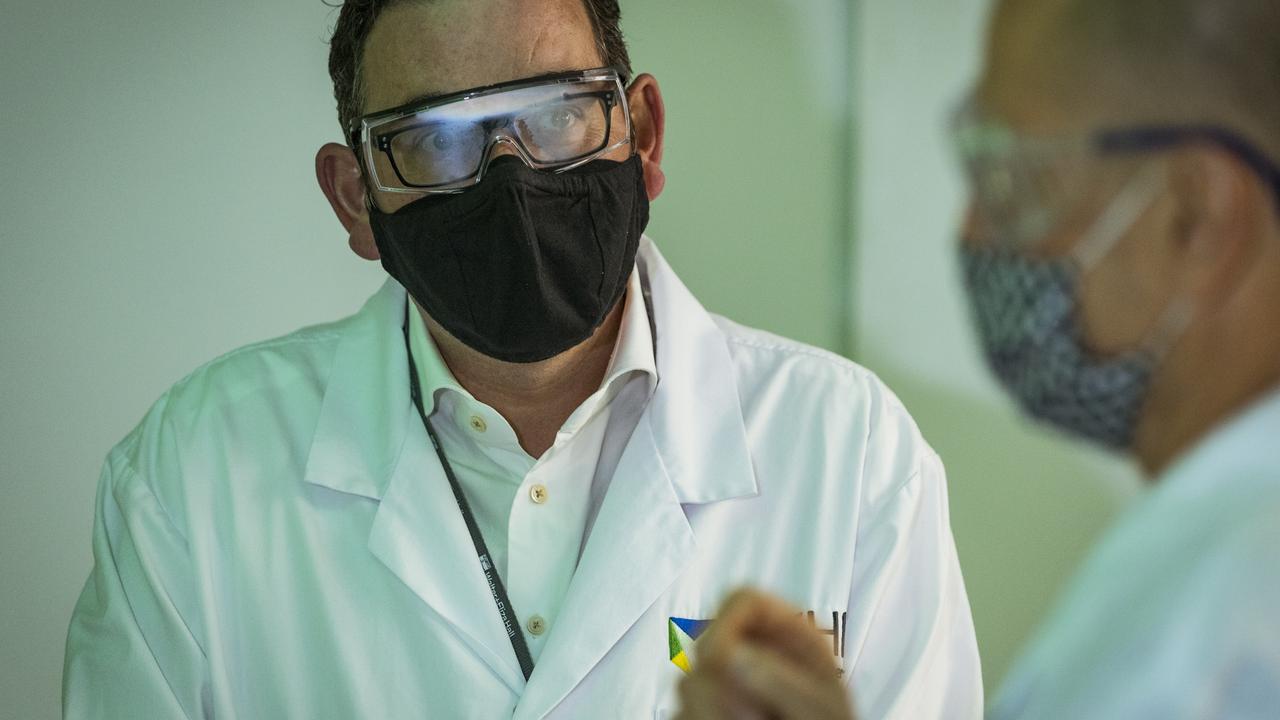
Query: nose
x=501 y=144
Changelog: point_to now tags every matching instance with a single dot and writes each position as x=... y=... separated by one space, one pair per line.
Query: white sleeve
x=132 y=650
x=910 y=640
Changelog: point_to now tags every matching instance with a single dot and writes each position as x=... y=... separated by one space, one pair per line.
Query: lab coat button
x=478 y=424
x=538 y=493
x=536 y=625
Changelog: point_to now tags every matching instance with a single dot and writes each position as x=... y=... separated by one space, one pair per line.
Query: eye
x=558 y=119
x=441 y=140
x=437 y=140
x=563 y=130
x=562 y=118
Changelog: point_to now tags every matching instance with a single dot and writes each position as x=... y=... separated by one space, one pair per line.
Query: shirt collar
x=434 y=375
x=632 y=354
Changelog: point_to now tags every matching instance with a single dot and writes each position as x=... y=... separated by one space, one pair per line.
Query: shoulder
x=1223 y=534
x=842 y=408
x=1179 y=600
x=764 y=358
x=1243 y=564
x=293 y=362
x=1218 y=636
x=771 y=368
x=260 y=393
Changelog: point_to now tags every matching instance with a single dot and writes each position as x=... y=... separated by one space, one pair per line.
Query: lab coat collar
x=366 y=408
x=695 y=413
x=632 y=354
x=369 y=441
x=689 y=447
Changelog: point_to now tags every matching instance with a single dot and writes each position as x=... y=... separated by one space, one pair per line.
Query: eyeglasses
x=443 y=145
x=1021 y=186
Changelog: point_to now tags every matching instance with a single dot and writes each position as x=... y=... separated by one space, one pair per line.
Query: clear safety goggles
x=1021 y=187
x=443 y=145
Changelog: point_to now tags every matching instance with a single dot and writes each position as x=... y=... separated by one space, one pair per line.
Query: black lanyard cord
x=505 y=611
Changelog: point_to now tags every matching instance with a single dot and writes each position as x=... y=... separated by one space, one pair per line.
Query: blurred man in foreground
x=1122 y=257
x=1124 y=264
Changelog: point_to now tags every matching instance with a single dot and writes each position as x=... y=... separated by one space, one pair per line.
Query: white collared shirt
x=1176 y=613
x=277 y=538
x=532 y=512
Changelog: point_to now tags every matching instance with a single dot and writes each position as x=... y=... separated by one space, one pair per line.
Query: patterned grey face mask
x=1025 y=310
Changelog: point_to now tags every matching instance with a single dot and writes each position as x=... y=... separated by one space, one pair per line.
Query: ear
x=648 y=124
x=1227 y=212
x=342 y=182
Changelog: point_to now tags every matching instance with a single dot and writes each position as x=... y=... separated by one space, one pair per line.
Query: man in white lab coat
x=1122 y=257
x=519 y=482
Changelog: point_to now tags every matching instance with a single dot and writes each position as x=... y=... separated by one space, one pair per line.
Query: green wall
x=756 y=212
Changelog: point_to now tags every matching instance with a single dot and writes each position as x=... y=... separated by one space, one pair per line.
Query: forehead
x=1033 y=78
x=441 y=46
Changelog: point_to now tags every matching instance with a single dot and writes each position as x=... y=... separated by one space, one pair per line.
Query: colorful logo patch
x=682 y=633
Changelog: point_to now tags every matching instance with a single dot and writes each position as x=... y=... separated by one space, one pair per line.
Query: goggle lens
x=446 y=146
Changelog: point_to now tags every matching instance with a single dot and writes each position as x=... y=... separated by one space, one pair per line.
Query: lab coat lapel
x=369 y=441
x=640 y=544
x=689 y=447
x=419 y=534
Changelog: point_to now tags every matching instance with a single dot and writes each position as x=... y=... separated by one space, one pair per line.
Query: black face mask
x=525 y=265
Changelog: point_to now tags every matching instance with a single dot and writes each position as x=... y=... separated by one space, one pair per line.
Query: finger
x=749 y=615
x=711 y=652
x=695 y=704
x=746 y=613
x=701 y=698
x=789 y=689
x=705 y=695
x=795 y=637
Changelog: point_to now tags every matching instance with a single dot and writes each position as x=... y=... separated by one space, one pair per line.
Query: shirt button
x=538 y=493
x=536 y=625
x=478 y=424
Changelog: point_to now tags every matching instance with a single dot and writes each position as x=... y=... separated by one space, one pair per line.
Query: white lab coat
x=1176 y=614
x=277 y=539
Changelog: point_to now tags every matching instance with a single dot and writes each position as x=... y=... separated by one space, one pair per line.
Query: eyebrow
x=425 y=97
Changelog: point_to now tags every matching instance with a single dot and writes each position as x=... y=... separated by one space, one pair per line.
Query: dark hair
x=356 y=20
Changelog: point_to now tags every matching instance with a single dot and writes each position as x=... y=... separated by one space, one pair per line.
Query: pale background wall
x=157 y=209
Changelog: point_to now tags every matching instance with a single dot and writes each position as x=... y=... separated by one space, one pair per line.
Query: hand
x=762 y=660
